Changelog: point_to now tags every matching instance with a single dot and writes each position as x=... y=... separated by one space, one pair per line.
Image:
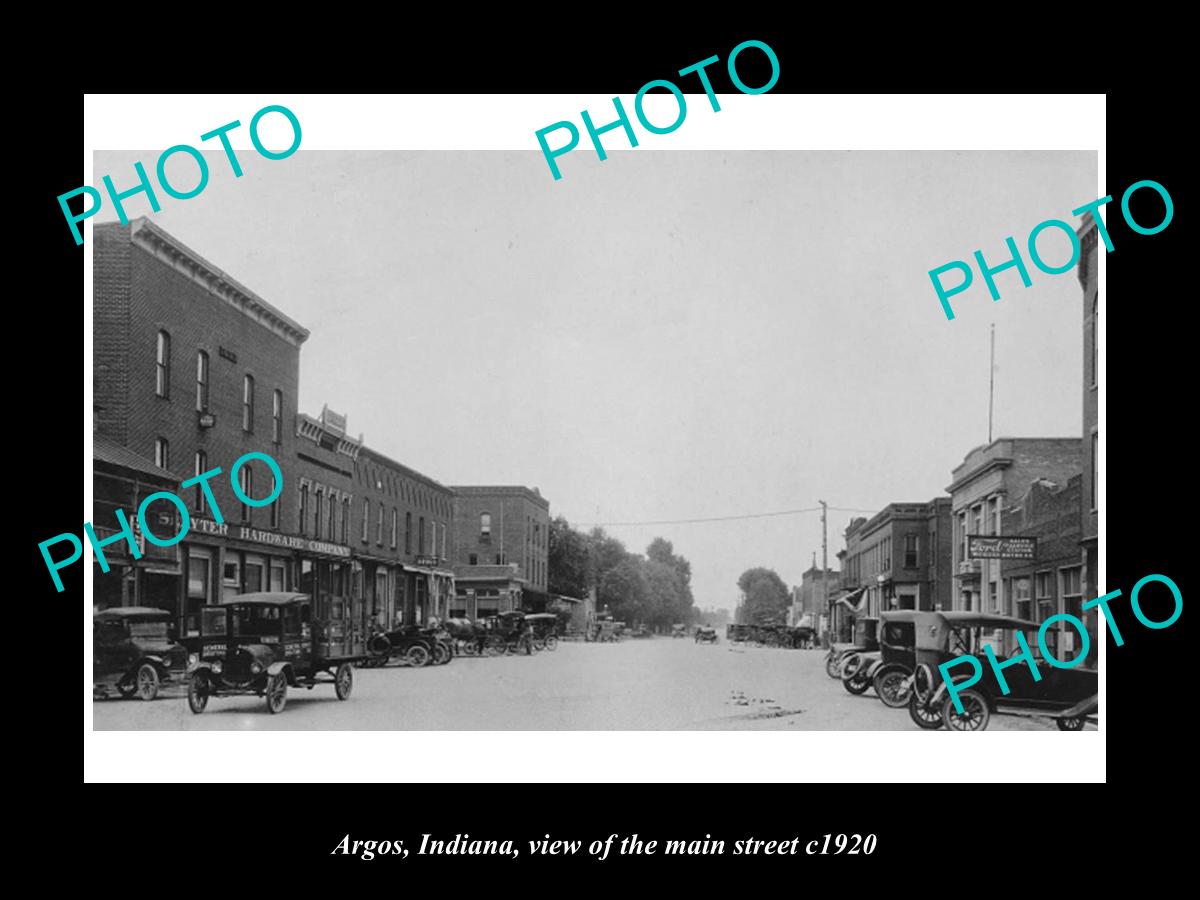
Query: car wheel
x=551 y=642
x=975 y=715
x=416 y=656
x=147 y=681
x=833 y=665
x=441 y=655
x=343 y=681
x=922 y=714
x=539 y=644
x=198 y=692
x=277 y=693
x=1070 y=723
x=857 y=683
x=891 y=688
x=850 y=665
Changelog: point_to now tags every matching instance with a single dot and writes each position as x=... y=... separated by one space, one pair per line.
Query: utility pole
x=991 y=382
x=825 y=569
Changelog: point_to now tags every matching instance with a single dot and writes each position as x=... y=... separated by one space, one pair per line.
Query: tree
x=624 y=591
x=766 y=597
x=567 y=560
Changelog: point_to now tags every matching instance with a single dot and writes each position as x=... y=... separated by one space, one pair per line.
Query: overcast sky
x=665 y=335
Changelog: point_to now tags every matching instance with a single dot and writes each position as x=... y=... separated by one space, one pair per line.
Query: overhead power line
x=784 y=512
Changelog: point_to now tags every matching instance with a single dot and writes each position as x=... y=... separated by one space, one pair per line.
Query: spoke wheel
x=343 y=681
x=922 y=714
x=857 y=683
x=441 y=655
x=417 y=656
x=975 y=714
x=198 y=692
x=147 y=681
x=891 y=688
x=277 y=693
x=833 y=666
x=1069 y=723
x=551 y=642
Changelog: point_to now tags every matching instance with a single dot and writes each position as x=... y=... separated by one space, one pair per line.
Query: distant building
x=984 y=485
x=1089 y=495
x=808 y=599
x=501 y=549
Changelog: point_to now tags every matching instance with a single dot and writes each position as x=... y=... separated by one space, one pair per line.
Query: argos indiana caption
x=633 y=845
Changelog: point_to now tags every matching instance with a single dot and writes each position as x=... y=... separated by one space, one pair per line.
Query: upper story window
x=201 y=382
x=346 y=521
x=395 y=517
x=162 y=453
x=246 y=480
x=1095 y=336
x=319 y=509
x=421 y=535
x=274 y=516
x=248 y=403
x=201 y=468
x=162 y=370
x=365 y=519
x=303 y=529
x=379 y=525
x=485 y=526
x=910 y=551
x=408 y=532
x=277 y=418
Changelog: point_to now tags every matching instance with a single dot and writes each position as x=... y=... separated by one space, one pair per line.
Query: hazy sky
x=665 y=335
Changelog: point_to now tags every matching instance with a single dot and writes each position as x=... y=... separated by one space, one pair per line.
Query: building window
x=318 y=513
x=379 y=526
x=1071 y=581
x=246 y=480
x=366 y=518
x=485 y=527
x=1095 y=460
x=1095 y=336
x=303 y=529
x=977 y=519
x=274 y=507
x=932 y=549
x=498 y=558
x=248 y=403
x=1043 y=595
x=395 y=519
x=331 y=523
x=162 y=369
x=962 y=534
x=910 y=551
x=473 y=559
x=346 y=521
x=1021 y=598
x=277 y=417
x=443 y=527
x=162 y=453
x=201 y=468
x=408 y=533
x=421 y=536
x=994 y=514
x=201 y=382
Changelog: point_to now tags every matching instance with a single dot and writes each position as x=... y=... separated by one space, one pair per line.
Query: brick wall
x=520 y=523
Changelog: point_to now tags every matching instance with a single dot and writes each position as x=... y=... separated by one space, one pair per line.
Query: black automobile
x=264 y=643
x=706 y=635
x=133 y=652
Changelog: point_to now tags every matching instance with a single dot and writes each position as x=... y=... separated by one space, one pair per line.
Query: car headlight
x=216 y=667
x=255 y=667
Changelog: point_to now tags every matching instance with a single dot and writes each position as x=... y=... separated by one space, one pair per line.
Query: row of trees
x=765 y=597
x=654 y=589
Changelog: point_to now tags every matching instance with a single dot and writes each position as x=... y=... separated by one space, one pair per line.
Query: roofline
x=218 y=282
x=403 y=469
x=498 y=490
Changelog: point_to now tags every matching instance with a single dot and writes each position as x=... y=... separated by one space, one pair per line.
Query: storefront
x=429 y=592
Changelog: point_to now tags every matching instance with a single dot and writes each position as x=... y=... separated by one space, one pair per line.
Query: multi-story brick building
x=982 y=486
x=901 y=556
x=1089 y=495
x=501 y=543
x=808 y=599
x=192 y=370
x=1052 y=582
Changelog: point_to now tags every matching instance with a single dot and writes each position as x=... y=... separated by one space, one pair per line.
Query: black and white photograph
x=686 y=440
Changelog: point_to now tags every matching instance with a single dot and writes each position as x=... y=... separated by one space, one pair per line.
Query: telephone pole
x=825 y=571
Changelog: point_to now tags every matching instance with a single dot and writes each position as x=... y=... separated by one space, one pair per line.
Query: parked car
x=706 y=635
x=865 y=641
x=1067 y=695
x=545 y=630
x=133 y=652
x=678 y=631
x=891 y=673
x=264 y=643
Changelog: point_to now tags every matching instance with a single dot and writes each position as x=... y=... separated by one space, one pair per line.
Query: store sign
x=979 y=547
x=429 y=561
x=271 y=538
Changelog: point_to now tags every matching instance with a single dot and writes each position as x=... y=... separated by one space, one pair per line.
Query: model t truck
x=264 y=643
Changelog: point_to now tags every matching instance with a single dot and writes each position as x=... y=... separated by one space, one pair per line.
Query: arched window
x=201 y=382
x=162 y=371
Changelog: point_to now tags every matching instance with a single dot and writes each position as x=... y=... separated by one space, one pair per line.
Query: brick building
x=901 y=557
x=192 y=370
x=1089 y=495
x=501 y=542
x=1052 y=583
x=982 y=489
x=808 y=599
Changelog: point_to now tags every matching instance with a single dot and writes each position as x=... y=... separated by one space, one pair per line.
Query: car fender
x=1084 y=707
x=939 y=695
x=879 y=667
x=282 y=666
x=158 y=662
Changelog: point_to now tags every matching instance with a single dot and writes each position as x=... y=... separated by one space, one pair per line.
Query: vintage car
x=678 y=631
x=735 y=634
x=264 y=643
x=132 y=651
x=1069 y=696
x=413 y=644
x=706 y=635
x=865 y=641
x=891 y=671
x=545 y=630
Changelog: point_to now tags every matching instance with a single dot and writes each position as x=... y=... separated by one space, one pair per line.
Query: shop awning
x=848 y=600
